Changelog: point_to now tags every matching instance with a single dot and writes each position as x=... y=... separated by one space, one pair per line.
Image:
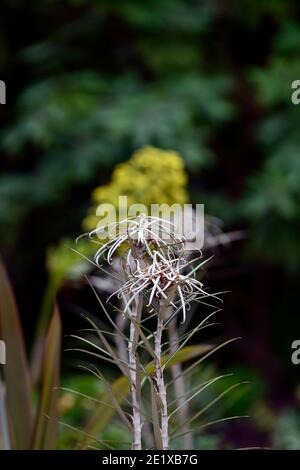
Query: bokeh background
x=89 y=83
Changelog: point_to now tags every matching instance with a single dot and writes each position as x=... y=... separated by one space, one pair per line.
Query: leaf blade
x=15 y=372
x=47 y=424
x=121 y=388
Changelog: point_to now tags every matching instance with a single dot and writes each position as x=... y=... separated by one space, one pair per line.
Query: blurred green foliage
x=104 y=78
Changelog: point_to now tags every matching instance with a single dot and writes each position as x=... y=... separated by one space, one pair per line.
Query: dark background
x=90 y=82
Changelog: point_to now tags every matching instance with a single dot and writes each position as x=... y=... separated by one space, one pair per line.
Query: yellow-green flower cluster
x=64 y=260
x=151 y=176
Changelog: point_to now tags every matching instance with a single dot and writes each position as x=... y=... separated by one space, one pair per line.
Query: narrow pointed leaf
x=121 y=389
x=15 y=372
x=46 y=427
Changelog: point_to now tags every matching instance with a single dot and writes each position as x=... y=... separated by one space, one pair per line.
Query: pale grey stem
x=4 y=430
x=121 y=346
x=160 y=383
x=135 y=379
x=179 y=389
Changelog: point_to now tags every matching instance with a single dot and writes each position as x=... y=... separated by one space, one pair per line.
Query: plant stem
x=135 y=380
x=120 y=341
x=160 y=383
x=179 y=389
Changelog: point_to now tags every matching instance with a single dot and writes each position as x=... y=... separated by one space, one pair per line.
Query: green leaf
x=15 y=372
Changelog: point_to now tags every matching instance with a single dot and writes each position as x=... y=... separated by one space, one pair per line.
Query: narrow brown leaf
x=15 y=372
x=46 y=426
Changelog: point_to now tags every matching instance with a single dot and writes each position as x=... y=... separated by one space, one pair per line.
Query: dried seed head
x=136 y=235
x=153 y=262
